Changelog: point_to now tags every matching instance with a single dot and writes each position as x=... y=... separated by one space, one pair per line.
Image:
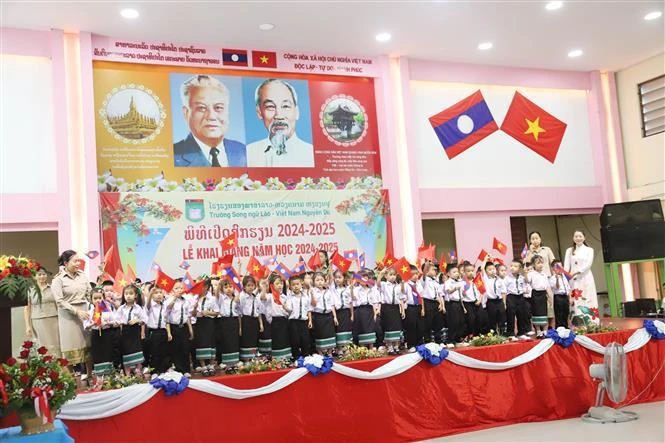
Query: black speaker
x=632 y=231
x=646 y=306
x=630 y=309
x=631 y=213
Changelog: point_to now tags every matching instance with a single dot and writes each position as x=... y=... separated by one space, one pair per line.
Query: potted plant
x=17 y=279
x=35 y=386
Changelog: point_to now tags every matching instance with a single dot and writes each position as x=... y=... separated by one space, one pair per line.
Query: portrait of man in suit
x=205 y=108
x=277 y=107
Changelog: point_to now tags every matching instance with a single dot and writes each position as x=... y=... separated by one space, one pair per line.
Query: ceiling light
x=575 y=53
x=129 y=13
x=266 y=26
x=553 y=6
x=485 y=46
x=653 y=15
x=383 y=37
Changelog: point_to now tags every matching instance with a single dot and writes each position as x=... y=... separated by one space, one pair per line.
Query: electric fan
x=614 y=382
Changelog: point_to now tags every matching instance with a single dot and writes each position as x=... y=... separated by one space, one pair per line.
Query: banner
x=182 y=231
x=196 y=127
x=212 y=56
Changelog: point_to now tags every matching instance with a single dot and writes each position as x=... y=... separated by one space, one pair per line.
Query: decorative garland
x=106 y=404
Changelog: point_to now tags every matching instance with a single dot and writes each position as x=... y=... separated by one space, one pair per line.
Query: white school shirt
x=429 y=288
x=538 y=281
x=228 y=307
x=515 y=285
x=298 y=305
x=366 y=295
x=179 y=312
x=250 y=305
x=209 y=302
x=273 y=309
x=472 y=294
x=156 y=315
x=126 y=313
x=391 y=293
x=564 y=286
x=191 y=300
x=458 y=286
x=324 y=300
x=494 y=287
x=409 y=295
x=108 y=317
x=342 y=296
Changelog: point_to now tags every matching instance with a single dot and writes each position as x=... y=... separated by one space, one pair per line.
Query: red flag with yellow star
x=230 y=242
x=255 y=268
x=164 y=282
x=403 y=269
x=264 y=59
x=532 y=126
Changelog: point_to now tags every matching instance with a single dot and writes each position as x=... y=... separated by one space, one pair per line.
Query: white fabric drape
x=108 y=403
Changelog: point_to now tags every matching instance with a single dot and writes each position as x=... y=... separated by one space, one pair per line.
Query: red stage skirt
x=424 y=402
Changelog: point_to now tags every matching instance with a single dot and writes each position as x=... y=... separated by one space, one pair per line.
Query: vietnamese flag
x=403 y=269
x=499 y=246
x=97 y=315
x=340 y=262
x=255 y=268
x=478 y=281
x=229 y=242
x=483 y=255
x=164 y=282
x=426 y=252
x=119 y=282
x=81 y=264
x=197 y=288
x=131 y=275
x=314 y=261
x=389 y=259
x=535 y=128
x=442 y=263
x=264 y=59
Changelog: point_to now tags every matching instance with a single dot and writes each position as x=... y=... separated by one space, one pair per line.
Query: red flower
x=27 y=344
x=63 y=361
x=42 y=350
x=53 y=376
x=594 y=313
x=24 y=353
x=59 y=386
x=41 y=371
x=11 y=361
x=24 y=379
x=48 y=358
x=23 y=367
x=26 y=392
x=27 y=273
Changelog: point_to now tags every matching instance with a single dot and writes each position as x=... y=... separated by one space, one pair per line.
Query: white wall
x=499 y=160
x=27 y=139
x=643 y=156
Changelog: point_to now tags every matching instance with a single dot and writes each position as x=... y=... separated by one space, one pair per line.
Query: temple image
x=133 y=124
x=341 y=123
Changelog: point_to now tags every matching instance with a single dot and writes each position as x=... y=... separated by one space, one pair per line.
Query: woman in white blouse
x=578 y=261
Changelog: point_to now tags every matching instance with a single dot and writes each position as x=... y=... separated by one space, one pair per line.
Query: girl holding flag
x=393 y=296
x=366 y=299
x=324 y=318
x=206 y=310
x=132 y=319
x=414 y=317
x=274 y=307
x=100 y=319
x=229 y=312
x=251 y=323
x=344 y=310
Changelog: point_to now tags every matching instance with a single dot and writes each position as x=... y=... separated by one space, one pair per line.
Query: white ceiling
x=612 y=34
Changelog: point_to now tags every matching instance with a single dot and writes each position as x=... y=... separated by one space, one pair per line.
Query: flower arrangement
x=117 y=379
x=595 y=329
x=106 y=182
x=354 y=352
x=16 y=276
x=491 y=338
x=35 y=384
x=262 y=365
x=130 y=209
x=562 y=336
x=434 y=353
x=316 y=363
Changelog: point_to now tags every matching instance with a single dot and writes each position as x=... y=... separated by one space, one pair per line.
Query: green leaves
x=13 y=286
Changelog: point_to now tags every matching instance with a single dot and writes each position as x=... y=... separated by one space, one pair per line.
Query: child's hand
x=239 y=332
x=441 y=308
x=309 y=324
x=191 y=335
x=478 y=303
x=260 y=328
x=142 y=335
x=169 y=337
x=403 y=314
x=352 y=318
x=422 y=311
x=335 y=321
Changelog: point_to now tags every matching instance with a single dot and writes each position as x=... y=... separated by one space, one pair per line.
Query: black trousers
x=496 y=313
x=414 y=326
x=116 y=352
x=471 y=318
x=516 y=312
x=179 y=348
x=456 y=321
x=433 y=321
x=561 y=310
x=158 y=347
x=301 y=344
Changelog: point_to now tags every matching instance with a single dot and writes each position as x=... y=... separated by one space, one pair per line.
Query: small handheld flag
x=92 y=254
x=426 y=252
x=314 y=261
x=525 y=251
x=299 y=269
x=480 y=284
x=452 y=255
x=361 y=261
x=255 y=268
x=483 y=255
x=276 y=296
x=351 y=255
x=283 y=271
x=499 y=246
x=184 y=265
x=230 y=242
x=360 y=278
x=119 y=282
x=403 y=269
x=81 y=264
x=270 y=261
x=231 y=275
x=164 y=282
x=565 y=273
x=188 y=280
x=389 y=259
x=340 y=262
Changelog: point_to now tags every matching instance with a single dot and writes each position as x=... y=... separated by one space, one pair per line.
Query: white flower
x=660 y=326
x=315 y=360
x=171 y=375
x=563 y=332
x=434 y=348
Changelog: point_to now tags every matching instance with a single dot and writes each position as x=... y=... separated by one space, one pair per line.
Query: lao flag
x=464 y=124
x=499 y=246
x=231 y=275
x=188 y=280
x=299 y=269
x=535 y=128
x=184 y=265
x=360 y=278
x=452 y=255
x=234 y=57
x=351 y=254
x=525 y=251
x=270 y=261
x=361 y=261
x=565 y=273
x=283 y=271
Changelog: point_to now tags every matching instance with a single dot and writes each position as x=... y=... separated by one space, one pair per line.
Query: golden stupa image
x=133 y=125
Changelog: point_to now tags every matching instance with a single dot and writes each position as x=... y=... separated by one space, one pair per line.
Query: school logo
x=194 y=210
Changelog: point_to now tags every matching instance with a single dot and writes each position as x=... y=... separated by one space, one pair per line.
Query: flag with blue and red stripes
x=452 y=255
x=351 y=254
x=565 y=273
x=463 y=124
x=234 y=57
x=184 y=265
x=299 y=269
x=525 y=250
x=361 y=261
x=188 y=280
x=282 y=270
x=270 y=261
x=231 y=275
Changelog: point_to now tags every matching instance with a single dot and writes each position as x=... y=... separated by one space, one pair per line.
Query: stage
x=423 y=402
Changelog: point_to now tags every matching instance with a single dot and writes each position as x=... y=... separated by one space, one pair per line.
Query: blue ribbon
x=652 y=330
x=434 y=359
x=170 y=387
x=324 y=369
x=565 y=342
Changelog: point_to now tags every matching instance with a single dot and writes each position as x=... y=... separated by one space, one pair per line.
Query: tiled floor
x=650 y=427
